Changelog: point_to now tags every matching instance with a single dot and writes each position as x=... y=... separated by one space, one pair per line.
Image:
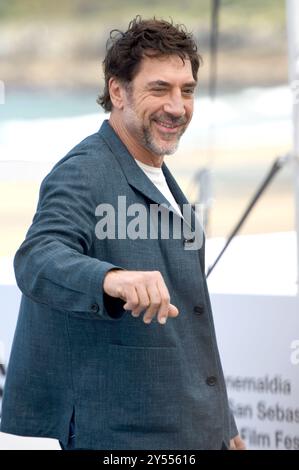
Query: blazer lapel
x=133 y=173
x=190 y=216
x=177 y=193
x=137 y=178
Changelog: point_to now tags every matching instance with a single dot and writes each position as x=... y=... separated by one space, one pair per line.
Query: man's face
x=158 y=104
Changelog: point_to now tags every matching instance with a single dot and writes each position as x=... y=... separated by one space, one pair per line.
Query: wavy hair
x=154 y=38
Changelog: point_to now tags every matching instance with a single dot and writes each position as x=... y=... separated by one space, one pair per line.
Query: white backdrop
x=258 y=337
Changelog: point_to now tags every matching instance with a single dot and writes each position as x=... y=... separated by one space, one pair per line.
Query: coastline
x=46 y=53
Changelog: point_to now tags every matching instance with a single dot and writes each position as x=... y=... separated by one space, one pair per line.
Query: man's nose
x=175 y=105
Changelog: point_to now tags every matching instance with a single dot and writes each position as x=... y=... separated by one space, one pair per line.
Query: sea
x=41 y=127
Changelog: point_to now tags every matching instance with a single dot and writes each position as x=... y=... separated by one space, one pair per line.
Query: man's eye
x=188 y=91
x=159 y=90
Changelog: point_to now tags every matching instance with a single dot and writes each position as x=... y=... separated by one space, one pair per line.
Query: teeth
x=166 y=125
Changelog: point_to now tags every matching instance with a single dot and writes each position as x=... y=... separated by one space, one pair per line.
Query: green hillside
x=271 y=12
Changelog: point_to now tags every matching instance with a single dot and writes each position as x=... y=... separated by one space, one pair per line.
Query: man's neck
x=135 y=149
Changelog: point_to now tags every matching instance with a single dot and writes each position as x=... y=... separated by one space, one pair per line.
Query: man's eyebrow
x=167 y=84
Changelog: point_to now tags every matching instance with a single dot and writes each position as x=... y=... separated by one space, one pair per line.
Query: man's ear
x=116 y=91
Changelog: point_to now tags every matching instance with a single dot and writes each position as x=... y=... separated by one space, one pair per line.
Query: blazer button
x=95 y=308
x=189 y=241
x=211 y=381
x=198 y=309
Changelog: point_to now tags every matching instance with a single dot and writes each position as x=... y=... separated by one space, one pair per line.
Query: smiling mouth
x=168 y=127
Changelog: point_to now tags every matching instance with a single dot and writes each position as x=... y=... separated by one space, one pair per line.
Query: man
x=115 y=346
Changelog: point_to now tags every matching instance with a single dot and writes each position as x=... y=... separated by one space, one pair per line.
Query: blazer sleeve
x=52 y=266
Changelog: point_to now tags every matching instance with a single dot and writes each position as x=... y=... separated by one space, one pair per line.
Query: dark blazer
x=78 y=359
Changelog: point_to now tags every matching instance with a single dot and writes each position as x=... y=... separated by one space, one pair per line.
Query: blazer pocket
x=144 y=389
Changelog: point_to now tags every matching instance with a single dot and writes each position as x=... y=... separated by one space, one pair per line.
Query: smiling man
x=115 y=346
x=155 y=109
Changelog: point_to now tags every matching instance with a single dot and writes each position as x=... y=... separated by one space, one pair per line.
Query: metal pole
x=293 y=49
x=214 y=48
x=277 y=165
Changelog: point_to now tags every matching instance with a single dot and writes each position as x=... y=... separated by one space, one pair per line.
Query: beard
x=158 y=148
x=145 y=134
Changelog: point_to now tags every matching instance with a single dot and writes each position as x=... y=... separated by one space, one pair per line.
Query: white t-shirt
x=156 y=175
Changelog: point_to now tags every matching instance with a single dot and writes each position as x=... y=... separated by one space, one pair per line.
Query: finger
x=155 y=302
x=131 y=297
x=232 y=445
x=144 y=300
x=239 y=443
x=173 y=311
x=162 y=314
x=120 y=293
